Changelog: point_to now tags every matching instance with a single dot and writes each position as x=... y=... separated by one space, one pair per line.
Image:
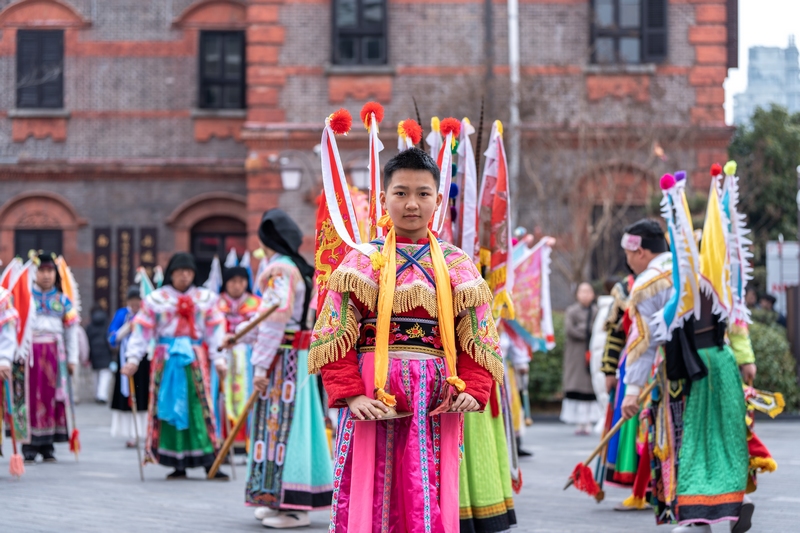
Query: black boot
x=520 y=451
x=745 y=521
x=177 y=474
x=30 y=453
x=48 y=453
x=219 y=476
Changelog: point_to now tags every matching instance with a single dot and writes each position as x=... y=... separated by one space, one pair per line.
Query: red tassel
x=450 y=125
x=341 y=121
x=413 y=130
x=517 y=485
x=16 y=467
x=75 y=442
x=584 y=481
x=716 y=169
x=368 y=109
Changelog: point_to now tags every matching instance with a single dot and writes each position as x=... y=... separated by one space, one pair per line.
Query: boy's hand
x=365 y=408
x=748 y=373
x=465 y=403
x=260 y=384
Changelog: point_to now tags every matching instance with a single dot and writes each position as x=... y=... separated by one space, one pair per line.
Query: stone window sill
x=645 y=68
x=38 y=113
x=359 y=70
x=219 y=113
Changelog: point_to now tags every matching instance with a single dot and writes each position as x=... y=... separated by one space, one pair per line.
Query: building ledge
x=604 y=70
x=38 y=113
x=359 y=70
x=219 y=113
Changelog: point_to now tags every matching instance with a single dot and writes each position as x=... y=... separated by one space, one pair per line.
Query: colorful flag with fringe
x=17 y=278
x=738 y=248
x=534 y=316
x=714 y=259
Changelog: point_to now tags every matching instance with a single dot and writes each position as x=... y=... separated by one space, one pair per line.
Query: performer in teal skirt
x=290 y=470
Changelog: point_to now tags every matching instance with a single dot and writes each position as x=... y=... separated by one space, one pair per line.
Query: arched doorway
x=215 y=236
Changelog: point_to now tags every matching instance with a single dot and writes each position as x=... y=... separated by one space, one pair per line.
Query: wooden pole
x=223 y=452
x=135 y=411
x=645 y=393
x=249 y=327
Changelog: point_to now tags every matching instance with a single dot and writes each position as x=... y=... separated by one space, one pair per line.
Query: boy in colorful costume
x=238 y=305
x=385 y=342
x=40 y=380
x=289 y=470
x=122 y=419
x=181 y=317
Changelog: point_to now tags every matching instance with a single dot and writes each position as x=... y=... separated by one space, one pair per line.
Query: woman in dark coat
x=580 y=405
x=100 y=354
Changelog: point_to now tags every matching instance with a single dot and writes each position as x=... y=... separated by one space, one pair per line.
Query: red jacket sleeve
x=478 y=380
x=342 y=380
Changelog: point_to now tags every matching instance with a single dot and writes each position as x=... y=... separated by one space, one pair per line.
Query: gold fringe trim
x=467 y=332
x=496 y=277
x=639 y=345
x=418 y=294
x=763 y=464
x=656 y=285
x=334 y=347
x=349 y=280
x=472 y=294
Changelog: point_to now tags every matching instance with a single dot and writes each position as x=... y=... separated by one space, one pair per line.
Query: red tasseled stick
x=413 y=130
x=450 y=125
x=75 y=442
x=341 y=122
x=584 y=480
x=517 y=485
x=371 y=107
x=716 y=169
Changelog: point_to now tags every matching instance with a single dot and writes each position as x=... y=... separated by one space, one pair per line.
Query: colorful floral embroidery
x=415 y=332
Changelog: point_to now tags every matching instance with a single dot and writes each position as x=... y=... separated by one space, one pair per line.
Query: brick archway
x=201 y=207
x=39 y=210
x=227 y=14
x=42 y=13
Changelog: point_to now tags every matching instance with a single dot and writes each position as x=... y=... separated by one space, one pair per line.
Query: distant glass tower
x=773 y=77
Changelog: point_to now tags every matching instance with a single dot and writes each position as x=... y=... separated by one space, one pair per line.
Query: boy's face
x=46 y=277
x=236 y=286
x=411 y=199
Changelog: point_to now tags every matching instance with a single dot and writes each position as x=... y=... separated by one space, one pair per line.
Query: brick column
x=265 y=81
x=709 y=37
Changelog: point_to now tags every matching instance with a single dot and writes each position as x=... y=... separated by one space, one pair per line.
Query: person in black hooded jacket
x=100 y=354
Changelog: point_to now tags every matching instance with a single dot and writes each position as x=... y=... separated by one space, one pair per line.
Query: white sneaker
x=287 y=520
x=693 y=528
x=265 y=512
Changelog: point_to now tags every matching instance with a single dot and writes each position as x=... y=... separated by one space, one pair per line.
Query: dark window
x=40 y=69
x=49 y=240
x=215 y=237
x=359 y=32
x=629 y=31
x=222 y=67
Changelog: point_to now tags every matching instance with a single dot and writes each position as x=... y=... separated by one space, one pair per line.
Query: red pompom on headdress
x=450 y=125
x=369 y=108
x=412 y=130
x=716 y=169
x=340 y=122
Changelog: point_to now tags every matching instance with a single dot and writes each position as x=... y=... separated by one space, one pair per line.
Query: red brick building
x=132 y=129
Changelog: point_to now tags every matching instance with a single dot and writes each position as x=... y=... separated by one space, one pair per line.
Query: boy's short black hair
x=411 y=159
x=651 y=233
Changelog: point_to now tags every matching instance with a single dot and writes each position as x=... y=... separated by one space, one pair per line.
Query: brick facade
x=130 y=147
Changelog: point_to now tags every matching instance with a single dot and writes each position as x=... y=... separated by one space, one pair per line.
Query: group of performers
x=406 y=324
x=679 y=366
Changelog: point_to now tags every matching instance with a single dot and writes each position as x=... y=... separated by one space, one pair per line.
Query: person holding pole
x=181 y=317
x=290 y=470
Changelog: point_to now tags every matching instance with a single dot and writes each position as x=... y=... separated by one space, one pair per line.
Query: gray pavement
x=102 y=492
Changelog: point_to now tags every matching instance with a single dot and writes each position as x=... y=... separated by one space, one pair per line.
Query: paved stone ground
x=102 y=492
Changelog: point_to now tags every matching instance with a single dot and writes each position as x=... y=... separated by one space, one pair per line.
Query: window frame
x=40 y=104
x=203 y=81
x=643 y=32
x=360 y=30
